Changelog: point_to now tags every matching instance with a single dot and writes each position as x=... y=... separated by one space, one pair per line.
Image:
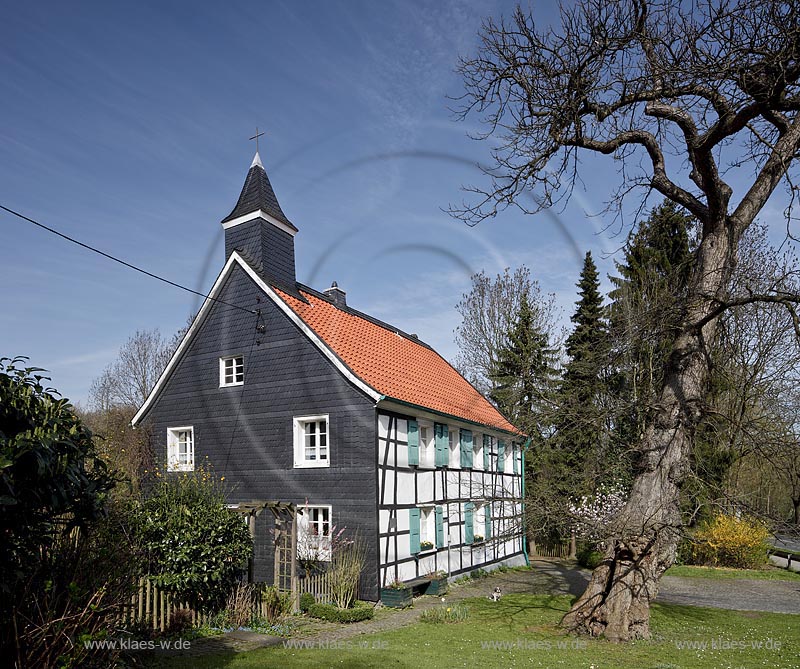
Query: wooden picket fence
x=318 y=585
x=560 y=549
x=155 y=608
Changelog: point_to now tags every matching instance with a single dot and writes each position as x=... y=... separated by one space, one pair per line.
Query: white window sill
x=231 y=385
x=312 y=465
x=180 y=468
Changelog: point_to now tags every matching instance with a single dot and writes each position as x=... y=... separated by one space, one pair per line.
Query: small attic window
x=231 y=371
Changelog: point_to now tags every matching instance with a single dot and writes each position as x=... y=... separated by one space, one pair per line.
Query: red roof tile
x=394 y=364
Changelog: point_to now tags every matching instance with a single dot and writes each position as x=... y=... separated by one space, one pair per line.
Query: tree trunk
x=644 y=537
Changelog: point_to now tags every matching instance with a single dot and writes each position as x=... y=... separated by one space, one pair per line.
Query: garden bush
x=307 y=600
x=727 y=541
x=336 y=615
x=67 y=560
x=196 y=547
x=589 y=557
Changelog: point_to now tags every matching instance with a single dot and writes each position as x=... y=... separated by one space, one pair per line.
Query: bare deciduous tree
x=684 y=97
x=128 y=380
x=488 y=314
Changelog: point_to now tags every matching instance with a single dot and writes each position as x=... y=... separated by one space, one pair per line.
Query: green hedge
x=307 y=600
x=589 y=558
x=337 y=615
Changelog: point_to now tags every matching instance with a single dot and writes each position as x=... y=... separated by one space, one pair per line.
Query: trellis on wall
x=285 y=542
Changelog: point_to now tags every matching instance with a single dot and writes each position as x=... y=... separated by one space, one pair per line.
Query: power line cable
x=120 y=261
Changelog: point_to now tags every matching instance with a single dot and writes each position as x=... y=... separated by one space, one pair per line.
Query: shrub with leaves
x=196 y=547
x=306 y=601
x=728 y=541
x=66 y=560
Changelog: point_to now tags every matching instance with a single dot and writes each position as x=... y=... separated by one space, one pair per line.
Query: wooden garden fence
x=554 y=549
x=155 y=608
x=318 y=585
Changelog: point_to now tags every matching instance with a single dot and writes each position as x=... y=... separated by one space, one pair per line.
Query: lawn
x=521 y=630
x=765 y=574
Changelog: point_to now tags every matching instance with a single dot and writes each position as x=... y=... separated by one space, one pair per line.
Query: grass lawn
x=521 y=631
x=765 y=574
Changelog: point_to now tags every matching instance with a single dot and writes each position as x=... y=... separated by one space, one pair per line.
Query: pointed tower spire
x=257 y=197
x=259 y=230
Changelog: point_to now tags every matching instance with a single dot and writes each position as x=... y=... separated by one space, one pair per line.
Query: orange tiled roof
x=395 y=365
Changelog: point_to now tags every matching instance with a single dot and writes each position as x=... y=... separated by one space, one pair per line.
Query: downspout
x=524 y=529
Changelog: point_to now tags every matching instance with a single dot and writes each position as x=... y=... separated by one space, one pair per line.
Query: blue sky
x=127 y=125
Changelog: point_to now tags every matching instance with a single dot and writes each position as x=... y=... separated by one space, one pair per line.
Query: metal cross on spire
x=256 y=136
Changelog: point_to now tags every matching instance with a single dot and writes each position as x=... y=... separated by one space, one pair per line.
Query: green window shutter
x=466 y=448
x=487 y=444
x=413 y=442
x=442 y=445
x=487 y=510
x=514 y=458
x=439 y=517
x=469 y=513
x=413 y=524
x=501 y=456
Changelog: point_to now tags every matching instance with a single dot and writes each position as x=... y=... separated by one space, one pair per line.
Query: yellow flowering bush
x=728 y=541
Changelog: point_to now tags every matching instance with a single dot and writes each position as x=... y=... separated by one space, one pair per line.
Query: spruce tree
x=644 y=315
x=523 y=375
x=581 y=423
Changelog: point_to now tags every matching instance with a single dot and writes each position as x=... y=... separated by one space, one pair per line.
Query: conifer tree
x=523 y=375
x=644 y=313
x=581 y=423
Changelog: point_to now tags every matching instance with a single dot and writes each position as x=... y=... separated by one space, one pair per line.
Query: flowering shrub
x=592 y=513
x=727 y=541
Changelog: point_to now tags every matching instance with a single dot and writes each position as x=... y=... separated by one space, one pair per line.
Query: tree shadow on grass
x=519 y=609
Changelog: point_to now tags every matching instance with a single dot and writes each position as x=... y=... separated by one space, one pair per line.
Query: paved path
x=548 y=577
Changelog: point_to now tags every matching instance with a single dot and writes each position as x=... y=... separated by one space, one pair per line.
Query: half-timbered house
x=293 y=395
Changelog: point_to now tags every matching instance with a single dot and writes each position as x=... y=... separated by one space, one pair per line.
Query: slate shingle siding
x=247 y=431
x=269 y=249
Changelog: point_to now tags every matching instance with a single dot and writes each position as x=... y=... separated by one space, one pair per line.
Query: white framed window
x=479 y=522
x=427 y=528
x=311 y=443
x=231 y=371
x=427 y=450
x=477 y=451
x=455 y=446
x=314 y=532
x=180 y=449
x=492 y=454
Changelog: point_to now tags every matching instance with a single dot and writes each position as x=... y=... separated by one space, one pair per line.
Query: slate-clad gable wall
x=285 y=376
x=270 y=249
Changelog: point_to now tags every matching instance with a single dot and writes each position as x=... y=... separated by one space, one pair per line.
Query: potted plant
x=438 y=584
x=397 y=595
x=477 y=539
x=425 y=546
